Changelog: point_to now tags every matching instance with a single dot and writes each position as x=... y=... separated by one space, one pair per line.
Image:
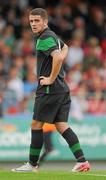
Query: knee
x=61 y=127
x=36 y=125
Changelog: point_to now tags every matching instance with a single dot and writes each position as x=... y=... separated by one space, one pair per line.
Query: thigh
x=36 y=124
x=61 y=126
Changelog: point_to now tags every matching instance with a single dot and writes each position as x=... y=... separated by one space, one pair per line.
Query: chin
x=35 y=32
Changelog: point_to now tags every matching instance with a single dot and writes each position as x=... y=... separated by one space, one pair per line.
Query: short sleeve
x=47 y=45
x=61 y=43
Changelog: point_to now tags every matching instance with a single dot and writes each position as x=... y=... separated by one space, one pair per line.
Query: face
x=37 y=23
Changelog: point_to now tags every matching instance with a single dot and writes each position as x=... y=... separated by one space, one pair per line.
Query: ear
x=45 y=22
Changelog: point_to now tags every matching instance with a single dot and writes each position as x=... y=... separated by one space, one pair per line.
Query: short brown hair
x=39 y=11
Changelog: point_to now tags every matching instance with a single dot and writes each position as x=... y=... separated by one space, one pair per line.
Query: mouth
x=34 y=29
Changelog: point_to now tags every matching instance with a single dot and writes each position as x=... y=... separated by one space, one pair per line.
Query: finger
x=41 y=82
x=41 y=77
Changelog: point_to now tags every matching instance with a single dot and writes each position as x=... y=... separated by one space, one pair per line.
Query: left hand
x=45 y=80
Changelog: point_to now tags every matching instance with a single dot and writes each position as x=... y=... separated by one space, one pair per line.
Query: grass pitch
x=53 y=175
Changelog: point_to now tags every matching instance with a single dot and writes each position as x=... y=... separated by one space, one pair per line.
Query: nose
x=33 y=23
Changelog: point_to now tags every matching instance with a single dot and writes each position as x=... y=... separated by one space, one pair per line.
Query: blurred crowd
x=82 y=26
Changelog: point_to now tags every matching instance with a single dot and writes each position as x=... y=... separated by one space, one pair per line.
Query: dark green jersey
x=45 y=43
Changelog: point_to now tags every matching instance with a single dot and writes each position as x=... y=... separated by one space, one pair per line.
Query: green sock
x=74 y=144
x=36 y=146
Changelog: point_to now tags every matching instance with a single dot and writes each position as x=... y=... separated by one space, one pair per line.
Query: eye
x=36 y=20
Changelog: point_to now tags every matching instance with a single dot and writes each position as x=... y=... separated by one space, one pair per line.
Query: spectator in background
x=64 y=29
x=102 y=73
x=94 y=43
x=2 y=23
x=80 y=25
x=21 y=24
x=97 y=22
x=24 y=45
x=82 y=10
x=2 y=69
x=1 y=105
x=19 y=62
x=8 y=37
x=79 y=103
x=67 y=13
x=23 y=106
x=97 y=103
x=103 y=48
x=30 y=84
x=30 y=64
x=75 y=53
x=15 y=83
x=19 y=108
x=74 y=77
x=91 y=58
x=5 y=55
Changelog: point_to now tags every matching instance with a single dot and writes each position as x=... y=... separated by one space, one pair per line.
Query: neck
x=43 y=30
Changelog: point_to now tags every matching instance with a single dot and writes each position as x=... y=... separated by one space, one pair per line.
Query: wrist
x=51 y=80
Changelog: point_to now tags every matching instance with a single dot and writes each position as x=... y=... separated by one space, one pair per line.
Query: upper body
x=50 y=52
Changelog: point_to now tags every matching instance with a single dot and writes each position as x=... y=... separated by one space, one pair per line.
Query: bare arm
x=57 y=61
x=56 y=64
x=64 y=51
x=58 y=58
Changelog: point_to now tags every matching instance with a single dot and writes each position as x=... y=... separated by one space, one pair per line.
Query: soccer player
x=52 y=100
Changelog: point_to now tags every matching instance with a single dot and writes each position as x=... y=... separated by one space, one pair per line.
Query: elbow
x=65 y=47
x=60 y=59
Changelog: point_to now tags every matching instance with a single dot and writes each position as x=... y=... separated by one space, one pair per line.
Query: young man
x=52 y=100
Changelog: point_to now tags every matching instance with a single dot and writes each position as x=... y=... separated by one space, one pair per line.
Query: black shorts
x=51 y=108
